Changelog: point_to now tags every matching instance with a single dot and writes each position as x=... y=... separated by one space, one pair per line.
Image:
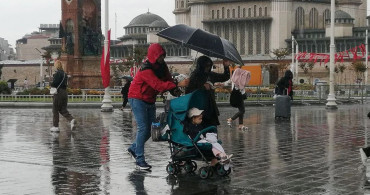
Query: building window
x=265 y=11
x=244 y=13
x=255 y=11
x=249 y=12
x=233 y=13
x=299 y=18
x=223 y=12
x=314 y=16
x=213 y=14
x=227 y=32
x=326 y=16
x=228 y=13
x=238 y=11
x=260 y=11
x=182 y=4
x=218 y=14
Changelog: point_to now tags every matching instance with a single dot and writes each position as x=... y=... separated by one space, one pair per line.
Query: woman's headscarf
x=199 y=76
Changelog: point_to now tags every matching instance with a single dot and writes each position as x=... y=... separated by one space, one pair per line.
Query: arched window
x=249 y=12
x=255 y=11
x=238 y=11
x=265 y=11
x=223 y=12
x=213 y=14
x=314 y=17
x=233 y=13
x=260 y=11
x=182 y=3
x=326 y=16
x=244 y=13
x=228 y=13
x=299 y=18
x=218 y=14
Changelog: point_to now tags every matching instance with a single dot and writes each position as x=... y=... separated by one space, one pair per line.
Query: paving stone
x=316 y=152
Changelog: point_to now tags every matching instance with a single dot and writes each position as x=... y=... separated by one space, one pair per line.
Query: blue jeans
x=144 y=115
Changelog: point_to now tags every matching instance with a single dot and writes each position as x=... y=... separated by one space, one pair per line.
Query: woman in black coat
x=203 y=78
x=285 y=85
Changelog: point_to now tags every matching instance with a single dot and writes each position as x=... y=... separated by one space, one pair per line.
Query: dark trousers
x=60 y=101
x=240 y=114
x=367 y=151
x=125 y=100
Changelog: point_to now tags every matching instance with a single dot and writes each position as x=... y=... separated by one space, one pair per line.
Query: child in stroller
x=193 y=125
x=187 y=148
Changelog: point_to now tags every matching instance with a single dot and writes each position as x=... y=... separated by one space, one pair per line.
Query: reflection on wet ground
x=316 y=152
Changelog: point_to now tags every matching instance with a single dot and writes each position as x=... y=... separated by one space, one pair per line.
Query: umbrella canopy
x=202 y=41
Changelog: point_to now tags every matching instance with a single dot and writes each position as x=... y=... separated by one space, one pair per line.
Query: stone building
x=141 y=32
x=25 y=47
x=258 y=27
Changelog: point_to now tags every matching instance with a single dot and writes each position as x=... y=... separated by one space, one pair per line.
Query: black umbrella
x=202 y=41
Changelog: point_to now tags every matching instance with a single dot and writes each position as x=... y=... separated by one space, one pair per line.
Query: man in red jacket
x=153 y=78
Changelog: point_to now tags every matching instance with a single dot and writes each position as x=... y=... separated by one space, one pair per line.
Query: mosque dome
x=339 y=14
x=159 y=23
x=145 y=20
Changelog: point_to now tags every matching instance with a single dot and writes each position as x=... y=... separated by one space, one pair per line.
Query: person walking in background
x=124 y=92
x=152 y=78
x=203 y=78
x=240 y=79
x=60 y=100
x=25 y=83
x=285 y=85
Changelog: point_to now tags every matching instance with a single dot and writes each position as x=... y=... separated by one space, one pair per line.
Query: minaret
x=281 y=27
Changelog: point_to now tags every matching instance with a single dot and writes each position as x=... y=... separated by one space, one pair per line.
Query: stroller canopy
x=178 y=112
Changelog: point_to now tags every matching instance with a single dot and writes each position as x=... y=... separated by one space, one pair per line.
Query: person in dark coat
x=60 y=100
x=124 y=93
x=154 y=77
x=285 y=85
x=203 y=78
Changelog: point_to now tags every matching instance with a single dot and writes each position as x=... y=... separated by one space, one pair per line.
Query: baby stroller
x=184 y=150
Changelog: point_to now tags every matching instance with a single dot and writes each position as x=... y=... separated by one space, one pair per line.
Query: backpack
x=236 y=98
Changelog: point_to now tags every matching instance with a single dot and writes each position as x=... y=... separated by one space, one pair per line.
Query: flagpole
x=107 y=100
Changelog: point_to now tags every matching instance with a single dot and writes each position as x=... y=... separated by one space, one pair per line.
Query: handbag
x=236 y=98
x=53 y=90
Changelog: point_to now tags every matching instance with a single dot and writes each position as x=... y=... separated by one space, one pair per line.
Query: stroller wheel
x=220 y=170
x=228 y=171
x=195 y=166
x=189 y=167
x=204 y=172
x=211 y=171
x=171 y=169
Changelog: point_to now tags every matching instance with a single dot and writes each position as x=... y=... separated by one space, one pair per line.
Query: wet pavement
x=315 y=153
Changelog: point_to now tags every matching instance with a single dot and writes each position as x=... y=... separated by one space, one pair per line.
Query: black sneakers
x=131 y=153
x=143 y=165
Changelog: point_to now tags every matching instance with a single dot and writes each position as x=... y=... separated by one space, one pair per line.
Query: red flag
x=105 y=66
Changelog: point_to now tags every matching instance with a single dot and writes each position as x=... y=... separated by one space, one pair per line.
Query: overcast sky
x=19 y=17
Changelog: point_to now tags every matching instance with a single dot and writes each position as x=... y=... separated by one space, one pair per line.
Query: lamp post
x=40 y=67
x=331 y=104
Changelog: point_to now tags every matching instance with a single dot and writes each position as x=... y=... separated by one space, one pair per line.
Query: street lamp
x=40 y=67
x=331 y=104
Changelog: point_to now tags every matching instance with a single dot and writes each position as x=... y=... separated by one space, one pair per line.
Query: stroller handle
x=208 y=129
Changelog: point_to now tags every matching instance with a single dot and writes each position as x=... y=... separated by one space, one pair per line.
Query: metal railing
x=260 y=94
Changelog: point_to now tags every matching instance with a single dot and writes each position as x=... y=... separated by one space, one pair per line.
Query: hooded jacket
x=152 y=78
x=285 y=84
